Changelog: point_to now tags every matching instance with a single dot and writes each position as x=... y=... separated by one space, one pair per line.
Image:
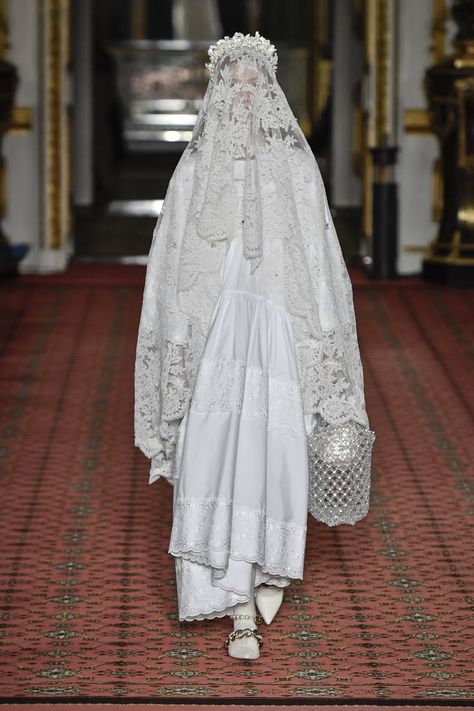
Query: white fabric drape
x=286 y=235
x=240 y=500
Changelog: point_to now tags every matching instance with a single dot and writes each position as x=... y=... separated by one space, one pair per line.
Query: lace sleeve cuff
x=160 y=467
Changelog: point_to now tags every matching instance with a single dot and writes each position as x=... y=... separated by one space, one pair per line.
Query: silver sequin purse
x=340 y=458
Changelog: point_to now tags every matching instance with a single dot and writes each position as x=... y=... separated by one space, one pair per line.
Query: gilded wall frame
x=55 y=151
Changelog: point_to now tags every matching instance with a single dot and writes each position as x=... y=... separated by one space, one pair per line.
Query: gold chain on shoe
x=244 y=632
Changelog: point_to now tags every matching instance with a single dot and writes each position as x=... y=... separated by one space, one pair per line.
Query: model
x=249 y=395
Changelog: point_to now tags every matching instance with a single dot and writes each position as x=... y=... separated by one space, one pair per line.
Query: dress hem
x=213 y=613
x=283 y=572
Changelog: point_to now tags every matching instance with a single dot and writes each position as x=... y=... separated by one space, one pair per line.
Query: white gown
x=240 y=502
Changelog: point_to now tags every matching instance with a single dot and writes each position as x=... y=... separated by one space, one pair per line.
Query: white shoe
x=268 y=599
x=244 y=643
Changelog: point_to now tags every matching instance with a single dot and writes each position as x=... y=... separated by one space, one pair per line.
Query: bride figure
x=248 y=382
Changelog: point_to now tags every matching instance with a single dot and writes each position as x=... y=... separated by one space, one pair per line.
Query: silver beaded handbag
x=340 y=458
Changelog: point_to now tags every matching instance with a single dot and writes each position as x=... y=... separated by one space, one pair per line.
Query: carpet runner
x=87 y=588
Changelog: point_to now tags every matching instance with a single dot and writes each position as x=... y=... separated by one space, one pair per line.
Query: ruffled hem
x=197 y=587
x=211 y=531
x=277 y=571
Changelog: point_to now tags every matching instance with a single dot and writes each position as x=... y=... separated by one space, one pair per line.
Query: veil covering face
x=287 y=233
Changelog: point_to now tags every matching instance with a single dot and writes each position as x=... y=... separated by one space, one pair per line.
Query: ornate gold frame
x=438 y=31
x=465 y=159
x=417 y=121
x=137 y=19
x=382 y=70
x=55 y=170
x=22 y=120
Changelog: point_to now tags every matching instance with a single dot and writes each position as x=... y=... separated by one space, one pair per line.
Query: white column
x=345 y=184
x=21 y=150
x=38 y=161
x=82 y=159
x=417 y=151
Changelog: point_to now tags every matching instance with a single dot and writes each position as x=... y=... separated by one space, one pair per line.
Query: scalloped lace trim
x=210 y=530
x=190 y=576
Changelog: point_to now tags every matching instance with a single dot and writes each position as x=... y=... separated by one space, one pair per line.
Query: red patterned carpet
x=87 y=594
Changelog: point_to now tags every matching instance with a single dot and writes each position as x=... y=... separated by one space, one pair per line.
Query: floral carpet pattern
x=87 y=588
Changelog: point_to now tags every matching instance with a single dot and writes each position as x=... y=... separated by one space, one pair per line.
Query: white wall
x=345 y=184
x=417 y=152
x=82 y=168
x=27 y=190
x=21 y=223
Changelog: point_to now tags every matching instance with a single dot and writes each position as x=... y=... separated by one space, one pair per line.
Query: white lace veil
x=245 y=117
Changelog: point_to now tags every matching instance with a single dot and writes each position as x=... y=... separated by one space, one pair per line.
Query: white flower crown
x=256 y=43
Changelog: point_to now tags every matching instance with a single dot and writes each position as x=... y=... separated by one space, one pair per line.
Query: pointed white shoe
x=268 y=599
x=244 y=641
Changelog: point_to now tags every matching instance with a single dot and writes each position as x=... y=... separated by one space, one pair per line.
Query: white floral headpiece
x=256 y=43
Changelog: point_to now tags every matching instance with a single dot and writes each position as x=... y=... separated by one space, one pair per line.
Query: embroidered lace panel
x=223 y=385
x=202 y=529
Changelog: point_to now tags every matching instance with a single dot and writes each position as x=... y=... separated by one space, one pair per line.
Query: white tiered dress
x=240 y=502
